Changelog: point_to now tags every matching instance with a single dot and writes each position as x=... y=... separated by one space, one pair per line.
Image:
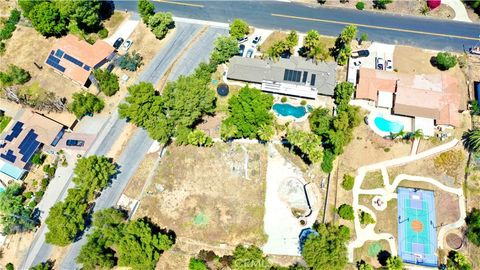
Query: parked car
x=242 y=40
x=250 y=53
x=357 y=63
x=127 y=44
x=118 y=43
x=388 y=65
x=78 y=143
x=257 y=39
x=361 y=53
x=110 y=67
x=379 y=63
x=241 y=49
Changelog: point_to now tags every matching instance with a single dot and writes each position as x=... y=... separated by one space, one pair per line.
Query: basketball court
x=417 y=234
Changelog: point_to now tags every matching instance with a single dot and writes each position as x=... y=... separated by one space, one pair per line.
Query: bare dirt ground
x=135 y=184
x=15 y=248
x=206 y=196
x=411 y=8
x=114 y=21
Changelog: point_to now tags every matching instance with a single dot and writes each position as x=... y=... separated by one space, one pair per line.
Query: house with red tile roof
x=76 y=59
x=432 y=96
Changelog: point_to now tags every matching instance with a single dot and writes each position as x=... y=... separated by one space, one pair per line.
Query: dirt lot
x=206 y=195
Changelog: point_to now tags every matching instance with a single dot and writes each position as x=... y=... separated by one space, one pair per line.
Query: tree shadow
x=383 y=256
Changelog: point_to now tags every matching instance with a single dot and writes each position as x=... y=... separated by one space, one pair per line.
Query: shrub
x=130 y=62
x=239 y=28
x=366 y=218
x=32 y=204
x=85 y=103
x=38 y=158
x=360 y=5
x=348 y=182
x=28 y=194
x=386 y=149
x=9 y=266
x=107 y=82
x=2 y=48
x=473 y=226
x=327 y=163
x=303 y=102
x=44 y=183
x=283 y=99
x=445 y=60
x=345 y=211
x=381 y=4
x=197 y=264
x=160 y=23
x=103 y=33
x=39 y=194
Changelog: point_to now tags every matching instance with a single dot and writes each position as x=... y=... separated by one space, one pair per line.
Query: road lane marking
x=373 y=26
x=179 y=3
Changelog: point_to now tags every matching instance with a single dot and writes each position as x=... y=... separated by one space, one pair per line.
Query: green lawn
x=4 y=120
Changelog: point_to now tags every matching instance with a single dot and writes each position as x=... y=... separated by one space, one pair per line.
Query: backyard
x=214 y=195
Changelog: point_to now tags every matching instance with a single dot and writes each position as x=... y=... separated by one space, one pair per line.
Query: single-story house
x=76 y=59
x=23 y=139
x=432 y=99
x=295 y=76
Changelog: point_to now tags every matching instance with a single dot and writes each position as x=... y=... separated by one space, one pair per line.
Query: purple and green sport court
x=417 y=233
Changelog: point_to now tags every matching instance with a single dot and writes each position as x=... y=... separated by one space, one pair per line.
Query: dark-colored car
x=78 y=143
x=361 y=53
x=118 y=43
x=256 y=39
x=241 y=49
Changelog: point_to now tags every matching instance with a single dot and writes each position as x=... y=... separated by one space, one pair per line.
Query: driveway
x=124 y=30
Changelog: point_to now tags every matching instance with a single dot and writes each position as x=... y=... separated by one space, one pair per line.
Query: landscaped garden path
x=388 y=192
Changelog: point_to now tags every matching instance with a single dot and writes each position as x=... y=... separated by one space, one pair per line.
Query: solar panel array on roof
x=17 y=128
x=59 y=53
x=292 y=75
x=73 y=60
x=54 y=62
x=9 y=156
x=86 y=67
x=29 y=145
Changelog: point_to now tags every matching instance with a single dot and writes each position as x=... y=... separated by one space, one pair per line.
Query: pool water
x=387 y=125
x=289 y=110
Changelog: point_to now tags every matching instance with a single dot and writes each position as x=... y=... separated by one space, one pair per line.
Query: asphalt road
x=140 y=142
x=382 y=27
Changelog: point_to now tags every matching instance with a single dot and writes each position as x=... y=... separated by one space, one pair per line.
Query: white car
x=127 y=44
x=242 y=40
x=388 y=65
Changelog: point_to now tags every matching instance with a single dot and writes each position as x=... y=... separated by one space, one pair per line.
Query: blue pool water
x=387 y=125
x=289 y=110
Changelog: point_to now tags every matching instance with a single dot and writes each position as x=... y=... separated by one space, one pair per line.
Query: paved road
x=140 y=142
x=131 y=156
x=382 y=27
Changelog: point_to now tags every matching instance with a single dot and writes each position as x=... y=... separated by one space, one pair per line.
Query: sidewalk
x=459 y=8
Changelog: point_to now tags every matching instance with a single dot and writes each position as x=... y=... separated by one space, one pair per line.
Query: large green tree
x=85 y=103
x=249 y=110
x=160 y=23
x=239 y=28
x=14 y=75
x=245 y=258
x=327 y=250
x=445 y=60
x=458 y=261
x=15 y=216
x=93 y=173
x=107 y=81
x=320 y=121
x=225 y=48
x=394 y=263
x=308 y=143
x=47 y=20
x=342 y=49
x=473 y=226
x=146 y=9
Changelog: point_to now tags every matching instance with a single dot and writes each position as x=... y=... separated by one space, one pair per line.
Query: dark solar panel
x=17 y=128
x=73 y=60
x=55 y=65
x=30 y=151
x=9 y=156
x=29 y=145
x=53 y=59
x=312 y=81
x=305 y=75
x=59 y=53
x=27 y=140
x=86 y=67
x=52 y=52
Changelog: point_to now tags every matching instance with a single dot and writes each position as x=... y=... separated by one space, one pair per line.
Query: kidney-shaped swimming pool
x=387 y=125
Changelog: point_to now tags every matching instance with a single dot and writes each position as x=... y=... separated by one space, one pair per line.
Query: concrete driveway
x=124 y=30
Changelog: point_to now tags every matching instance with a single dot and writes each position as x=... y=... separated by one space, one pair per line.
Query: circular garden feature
x=222 y=90
x=454 y=241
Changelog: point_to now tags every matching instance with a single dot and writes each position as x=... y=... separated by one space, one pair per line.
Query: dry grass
x=372 y=180
x=450 y=162
x=114 y=21
x=387 y=219
x=201 y=182
x=135 y=184
x=271 y=39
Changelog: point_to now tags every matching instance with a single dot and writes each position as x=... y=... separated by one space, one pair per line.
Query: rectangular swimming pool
x=417 y=234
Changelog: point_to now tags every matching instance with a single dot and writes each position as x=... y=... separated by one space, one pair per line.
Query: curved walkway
x=460 y=10
x=388 y=193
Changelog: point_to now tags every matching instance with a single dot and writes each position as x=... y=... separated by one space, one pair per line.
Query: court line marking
x=180 y=3
x=374 y=26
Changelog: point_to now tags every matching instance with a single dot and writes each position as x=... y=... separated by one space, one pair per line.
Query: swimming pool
x=387 y=125
x=286 y=109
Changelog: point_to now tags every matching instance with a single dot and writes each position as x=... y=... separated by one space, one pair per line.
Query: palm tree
x=265 y=132
x=471 y=140
x=417 y=134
